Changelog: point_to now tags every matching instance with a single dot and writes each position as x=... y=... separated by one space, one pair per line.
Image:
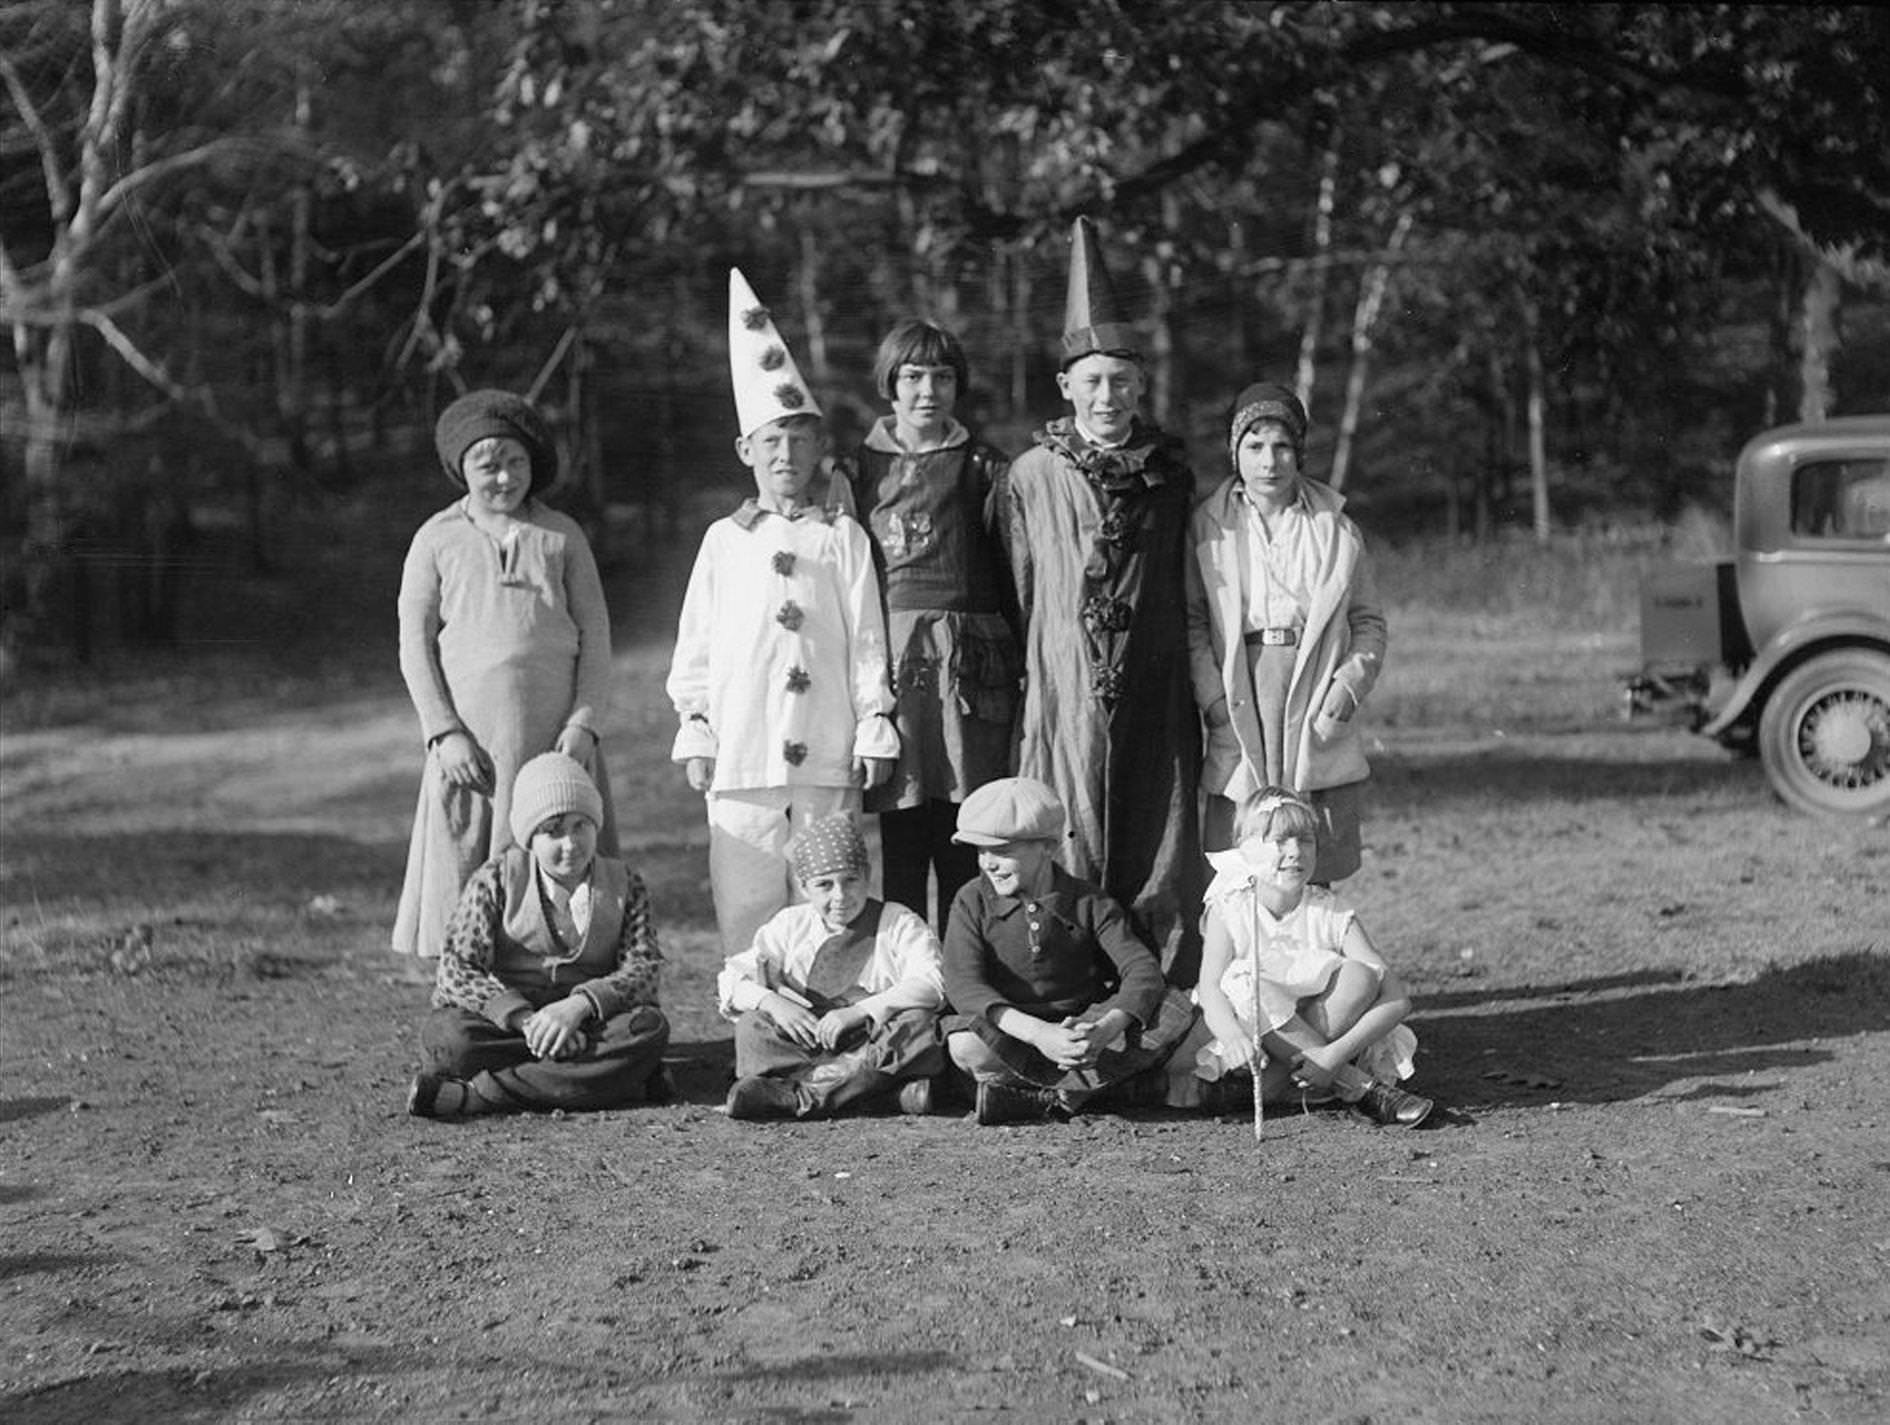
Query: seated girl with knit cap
x=836 y=1002
x=546 y=994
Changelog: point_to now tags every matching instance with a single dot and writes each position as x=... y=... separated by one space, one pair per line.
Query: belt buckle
x=1277 y=637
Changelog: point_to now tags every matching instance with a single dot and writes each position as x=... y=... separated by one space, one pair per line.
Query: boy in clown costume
x=779 y=676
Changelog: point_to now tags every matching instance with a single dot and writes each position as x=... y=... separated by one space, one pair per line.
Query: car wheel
x=1825 y=734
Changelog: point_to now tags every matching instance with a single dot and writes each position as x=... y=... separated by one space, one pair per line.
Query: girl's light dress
x=510 y=641
x=1295 y=957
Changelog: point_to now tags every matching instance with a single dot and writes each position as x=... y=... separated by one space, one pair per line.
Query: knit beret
x=1267 y=401
x=480 y=415
x=1009 y=809
x=828 y=846
x=549 y=785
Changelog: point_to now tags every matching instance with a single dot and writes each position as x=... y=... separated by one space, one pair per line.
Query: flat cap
x=1010 y=809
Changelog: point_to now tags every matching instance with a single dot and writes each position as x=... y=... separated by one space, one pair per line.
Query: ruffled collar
x=1149 y=457
x=749 y=513
x=883 y=437
x=1234 y=874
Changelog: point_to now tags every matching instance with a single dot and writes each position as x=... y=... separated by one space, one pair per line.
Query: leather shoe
x=1390 y=1106
x=1006 y=1103
x=761 y=1096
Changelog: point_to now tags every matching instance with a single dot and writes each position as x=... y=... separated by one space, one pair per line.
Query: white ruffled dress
x=1294 y=957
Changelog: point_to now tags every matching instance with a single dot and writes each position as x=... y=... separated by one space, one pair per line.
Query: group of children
x=1012 y=666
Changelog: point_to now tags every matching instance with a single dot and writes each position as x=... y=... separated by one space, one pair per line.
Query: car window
x=1842 y=499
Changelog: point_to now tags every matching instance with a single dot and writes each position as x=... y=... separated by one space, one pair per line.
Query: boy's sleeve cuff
x=695 y=738
x=876 y=737
x=501 y=1007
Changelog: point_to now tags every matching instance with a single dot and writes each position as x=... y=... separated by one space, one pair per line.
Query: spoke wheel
x=1825 y=734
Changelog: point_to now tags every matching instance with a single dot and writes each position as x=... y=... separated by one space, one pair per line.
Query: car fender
x=1791 y=646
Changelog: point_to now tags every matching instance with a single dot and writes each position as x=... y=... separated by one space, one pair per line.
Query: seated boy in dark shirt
x=1054 y=997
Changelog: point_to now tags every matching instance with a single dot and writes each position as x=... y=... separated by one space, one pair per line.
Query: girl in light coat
x=1285 y=634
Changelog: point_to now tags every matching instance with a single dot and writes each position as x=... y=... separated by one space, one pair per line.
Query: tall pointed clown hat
x=1092 y=321
x=768 y=384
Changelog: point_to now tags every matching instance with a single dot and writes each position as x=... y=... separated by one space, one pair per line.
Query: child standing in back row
x=505 y=649
x=927 y=492
x=1285 y=634
x=1291 y=986
x=779 y=675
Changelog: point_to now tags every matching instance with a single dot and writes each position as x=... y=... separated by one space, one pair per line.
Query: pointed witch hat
x=768 y=384
x=1092 y=322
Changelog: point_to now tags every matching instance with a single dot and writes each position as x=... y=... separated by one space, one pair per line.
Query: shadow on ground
x=1627 y=1036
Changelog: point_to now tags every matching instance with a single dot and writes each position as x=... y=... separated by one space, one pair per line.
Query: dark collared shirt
x=1068 y=952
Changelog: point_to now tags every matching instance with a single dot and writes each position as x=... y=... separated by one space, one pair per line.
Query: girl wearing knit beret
x=1285 y=633
x=505 y=649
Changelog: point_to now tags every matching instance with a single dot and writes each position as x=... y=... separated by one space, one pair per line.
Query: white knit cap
x=549 y=785
x=768 y=385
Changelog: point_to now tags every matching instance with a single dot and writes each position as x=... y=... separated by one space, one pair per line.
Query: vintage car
x=1786 y=647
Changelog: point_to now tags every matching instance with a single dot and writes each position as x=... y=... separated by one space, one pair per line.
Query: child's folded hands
x=557 y=1030
x=838 y=1025
x=797 y=1021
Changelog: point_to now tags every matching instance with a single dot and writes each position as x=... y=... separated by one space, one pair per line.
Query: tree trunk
x=44 y=348
x=1371 y=301
x=1538 y=407
x=1313 y=332
x=1818 y=338
x=1020 y=331
x=1159 y=268
x=1497 y=449
x=814 y=326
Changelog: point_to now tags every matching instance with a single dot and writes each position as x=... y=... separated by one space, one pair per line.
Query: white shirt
x=1282 y=566
x=904 y=971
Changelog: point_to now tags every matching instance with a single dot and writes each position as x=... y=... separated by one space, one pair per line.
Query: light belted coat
x=1343 y=643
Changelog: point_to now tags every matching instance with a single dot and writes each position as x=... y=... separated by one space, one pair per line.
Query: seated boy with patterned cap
x=837 y=1000
x=1054 y=998
x=546 y=995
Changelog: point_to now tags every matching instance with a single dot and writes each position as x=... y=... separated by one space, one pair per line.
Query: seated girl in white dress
x=1291 y=985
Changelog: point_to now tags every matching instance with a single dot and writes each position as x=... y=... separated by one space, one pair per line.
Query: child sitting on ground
x=1290 y=982
x=837 y=1000
x=546 y=995
x=779 y=676
x=1054 y=998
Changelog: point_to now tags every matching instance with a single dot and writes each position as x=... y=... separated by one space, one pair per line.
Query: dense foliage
x=1543 y=263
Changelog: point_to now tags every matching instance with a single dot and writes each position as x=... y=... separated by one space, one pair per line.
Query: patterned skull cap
x=827 y=847
x=1267 y=401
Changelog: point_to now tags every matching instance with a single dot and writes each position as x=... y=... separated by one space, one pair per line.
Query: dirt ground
x=1655 y=1004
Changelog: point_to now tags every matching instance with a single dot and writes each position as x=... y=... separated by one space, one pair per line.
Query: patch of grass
x=1585 y=580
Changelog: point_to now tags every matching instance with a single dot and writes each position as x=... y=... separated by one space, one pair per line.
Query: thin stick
x=1259 y=1060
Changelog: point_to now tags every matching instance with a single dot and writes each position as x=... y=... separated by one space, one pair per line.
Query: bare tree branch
x=164 y=167
x=56 y=196
x=127 y=349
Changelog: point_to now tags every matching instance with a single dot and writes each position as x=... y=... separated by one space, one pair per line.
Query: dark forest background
x=1538 y=269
